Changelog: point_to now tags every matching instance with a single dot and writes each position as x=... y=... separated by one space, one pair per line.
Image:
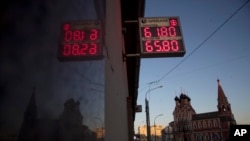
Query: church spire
x=221 y=94
x=223 y=104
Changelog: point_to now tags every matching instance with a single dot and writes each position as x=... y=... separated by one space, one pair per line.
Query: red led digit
x=68 y=36
x=66 y=26
x=149 y=47
x=147 y=32
x=172 y=31
x=82 y=35
x=75 y=49
x=93 y=49
x=165 y=46
x=77 y=35
x=66 y=50
x=93 y=35
x=164 y=31
x=83 y=49
x=173 y=22
x=158 y=32
x=174 y=45
x=157 y=46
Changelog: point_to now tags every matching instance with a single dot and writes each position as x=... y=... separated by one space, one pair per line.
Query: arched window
x=224 y=108
x=215 y=123
x=199 y=125
x=209 y=124
x=194 y=125
x=204 y=124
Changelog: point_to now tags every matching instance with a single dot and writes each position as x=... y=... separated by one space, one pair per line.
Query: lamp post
x=147 y=113
x=155 y=124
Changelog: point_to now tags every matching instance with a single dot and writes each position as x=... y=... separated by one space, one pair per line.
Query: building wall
x=143 y=130
x=116 y=89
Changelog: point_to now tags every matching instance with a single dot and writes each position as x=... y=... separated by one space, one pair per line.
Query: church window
x=199 y=125
x=204 y=124
x=224 y=109
x=215 y=123
x=194 y=125
x=209 y=124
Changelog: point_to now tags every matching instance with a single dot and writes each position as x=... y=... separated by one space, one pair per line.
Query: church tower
x=183 y=113
x=224 y=107
x=27 y=131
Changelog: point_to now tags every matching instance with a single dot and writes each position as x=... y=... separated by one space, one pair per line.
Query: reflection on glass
x=67 y=103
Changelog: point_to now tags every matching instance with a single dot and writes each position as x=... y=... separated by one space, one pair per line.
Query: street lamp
x=147 y=113
x=155 y=124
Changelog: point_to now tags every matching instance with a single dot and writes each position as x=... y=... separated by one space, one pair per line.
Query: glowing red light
x=161 y=46
x=66 y=26
x=81 y=40
x=173 y=22
x=161 y=37
x=147 y=33
x=162 y=31
x=156 y=44
x=94 y=34
x=81 y=35
x=80 y=49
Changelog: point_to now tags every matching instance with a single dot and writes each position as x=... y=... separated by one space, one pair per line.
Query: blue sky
x=225 y=56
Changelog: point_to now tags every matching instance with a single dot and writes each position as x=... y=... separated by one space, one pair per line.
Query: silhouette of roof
x=208 y=115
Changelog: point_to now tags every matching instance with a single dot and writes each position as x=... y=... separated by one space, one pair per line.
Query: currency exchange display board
x=80 y=40
x=161 y=37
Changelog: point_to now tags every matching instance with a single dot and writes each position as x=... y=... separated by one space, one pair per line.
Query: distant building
x=142 y=130
x=155 y=132
x=167 y=134
x=100 y=132
x=67 y=128
x=190 y=126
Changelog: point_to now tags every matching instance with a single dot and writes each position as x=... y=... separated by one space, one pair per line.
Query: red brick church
x=190 y=126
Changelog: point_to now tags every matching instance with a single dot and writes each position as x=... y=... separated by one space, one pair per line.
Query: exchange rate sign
x=80 y=40
x=161 y=37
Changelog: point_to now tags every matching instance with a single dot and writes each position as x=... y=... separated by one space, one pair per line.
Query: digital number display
x=80 y=41
x=161 y=37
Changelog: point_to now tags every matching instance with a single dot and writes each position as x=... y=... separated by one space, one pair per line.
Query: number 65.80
x=161 y=45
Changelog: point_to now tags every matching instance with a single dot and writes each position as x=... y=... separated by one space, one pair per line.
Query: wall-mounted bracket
x=130 y=55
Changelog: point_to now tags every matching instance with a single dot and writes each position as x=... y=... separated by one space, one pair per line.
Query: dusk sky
x=225 y=56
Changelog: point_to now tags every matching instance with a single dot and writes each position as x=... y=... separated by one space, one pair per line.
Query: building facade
x=155 y=132
x=190 y=126
x=167 y=134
